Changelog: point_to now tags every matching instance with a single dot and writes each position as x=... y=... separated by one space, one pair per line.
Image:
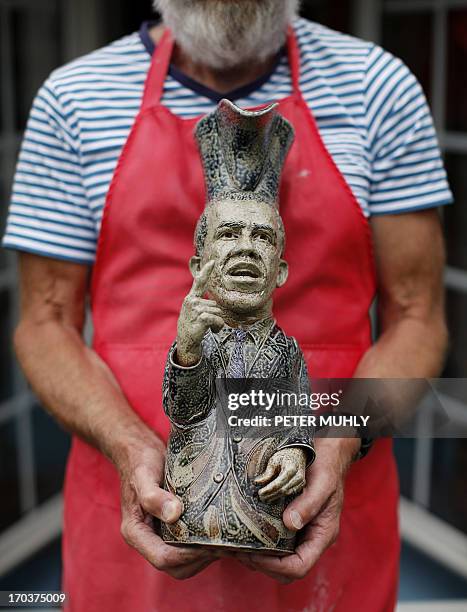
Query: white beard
x=223 y=34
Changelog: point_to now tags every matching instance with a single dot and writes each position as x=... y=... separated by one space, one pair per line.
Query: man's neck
x=221 y=81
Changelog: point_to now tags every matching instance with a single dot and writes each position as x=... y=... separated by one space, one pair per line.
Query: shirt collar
x=257 y=331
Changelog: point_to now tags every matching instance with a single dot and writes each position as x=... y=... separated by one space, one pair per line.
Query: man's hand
x=80 y=391
x=142 y=499
x=317 y=510
x=196 y=317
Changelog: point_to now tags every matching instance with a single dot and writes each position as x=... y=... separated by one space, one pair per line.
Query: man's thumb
x=161 y=504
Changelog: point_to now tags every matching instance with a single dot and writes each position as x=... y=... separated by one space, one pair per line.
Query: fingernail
x=170 y=511
x=296 y=519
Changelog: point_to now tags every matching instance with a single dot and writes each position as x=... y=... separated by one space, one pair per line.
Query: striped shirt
x=370 y=110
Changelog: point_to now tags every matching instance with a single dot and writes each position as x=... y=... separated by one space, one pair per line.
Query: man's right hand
x=196 y=317
x=80 y=391
x=142 y=500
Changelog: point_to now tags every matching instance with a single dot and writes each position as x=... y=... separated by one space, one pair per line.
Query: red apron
x=140 y=279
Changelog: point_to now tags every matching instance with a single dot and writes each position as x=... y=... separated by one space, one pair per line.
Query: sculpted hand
x=196 y=317
x=317 y=510
x=142 y=499
x=285 y=474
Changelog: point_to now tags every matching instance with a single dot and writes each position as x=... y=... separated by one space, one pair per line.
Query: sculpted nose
x=245 y=244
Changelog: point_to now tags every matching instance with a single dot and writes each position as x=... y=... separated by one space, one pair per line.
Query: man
x=373 y=121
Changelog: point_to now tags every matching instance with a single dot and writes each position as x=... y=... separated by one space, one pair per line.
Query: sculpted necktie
x=237 y=361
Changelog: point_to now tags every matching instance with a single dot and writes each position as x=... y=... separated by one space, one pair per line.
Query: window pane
x=3 y=209
x=448 y=498
x=455 y=216
x=335 y=15
x=457 y=61
x=9 y=146
x=41 y=572
x=404 y=452
x=6 y=357
x=51 y=446
x=9 y=508
x=34 y=26
x=456 y=309
x=410 y=38
x=122 y=18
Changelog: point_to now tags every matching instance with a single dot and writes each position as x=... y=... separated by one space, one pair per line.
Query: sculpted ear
x=195 y=265
x=283 y=273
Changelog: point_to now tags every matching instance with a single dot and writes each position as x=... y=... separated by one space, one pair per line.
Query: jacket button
x=237 y=438
x=219 y=477
x=181 y=490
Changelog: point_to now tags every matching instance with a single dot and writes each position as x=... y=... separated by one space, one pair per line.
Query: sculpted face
x=245 y=240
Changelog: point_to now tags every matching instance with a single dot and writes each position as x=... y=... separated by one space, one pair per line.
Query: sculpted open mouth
x=244 y=271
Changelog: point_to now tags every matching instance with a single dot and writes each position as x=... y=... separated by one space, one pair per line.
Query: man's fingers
x=284 y=569
x=295 y=567
x=245 y=559
x=319 y=540
x=201 y=281
x=163 y=557
x=154 y=500
x=191 y=569
x=307 y=505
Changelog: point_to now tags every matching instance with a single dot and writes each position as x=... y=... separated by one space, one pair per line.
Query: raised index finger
x=201 y=280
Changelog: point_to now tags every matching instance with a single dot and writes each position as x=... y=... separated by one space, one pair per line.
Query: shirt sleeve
x=49 y=212
x=407 y=171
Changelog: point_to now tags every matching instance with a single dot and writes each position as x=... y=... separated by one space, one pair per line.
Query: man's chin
x=225 y=35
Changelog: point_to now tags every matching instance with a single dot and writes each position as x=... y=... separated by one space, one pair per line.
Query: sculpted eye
x=265 y=237
x=228 y=234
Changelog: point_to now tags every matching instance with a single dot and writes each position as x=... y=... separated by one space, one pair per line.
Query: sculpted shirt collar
x=257 y=332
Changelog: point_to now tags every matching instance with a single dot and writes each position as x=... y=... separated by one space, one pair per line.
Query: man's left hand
x=317 y=510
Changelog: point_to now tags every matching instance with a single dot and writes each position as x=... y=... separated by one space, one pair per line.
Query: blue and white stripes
x=370 y=110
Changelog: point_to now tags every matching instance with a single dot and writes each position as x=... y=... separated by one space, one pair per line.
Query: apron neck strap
x=160 y=63
x=158 y=70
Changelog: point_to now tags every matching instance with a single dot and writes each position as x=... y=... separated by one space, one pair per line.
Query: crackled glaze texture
x=234 y=487
x=243 y=152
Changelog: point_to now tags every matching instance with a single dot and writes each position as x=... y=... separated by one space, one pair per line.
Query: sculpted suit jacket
x=212 y=466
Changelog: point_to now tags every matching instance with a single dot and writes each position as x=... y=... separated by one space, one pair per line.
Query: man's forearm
x=409 y=253
x=80 y=391
x=409 y=348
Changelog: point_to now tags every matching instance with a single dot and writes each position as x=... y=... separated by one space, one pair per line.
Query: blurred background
x=36 y=36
